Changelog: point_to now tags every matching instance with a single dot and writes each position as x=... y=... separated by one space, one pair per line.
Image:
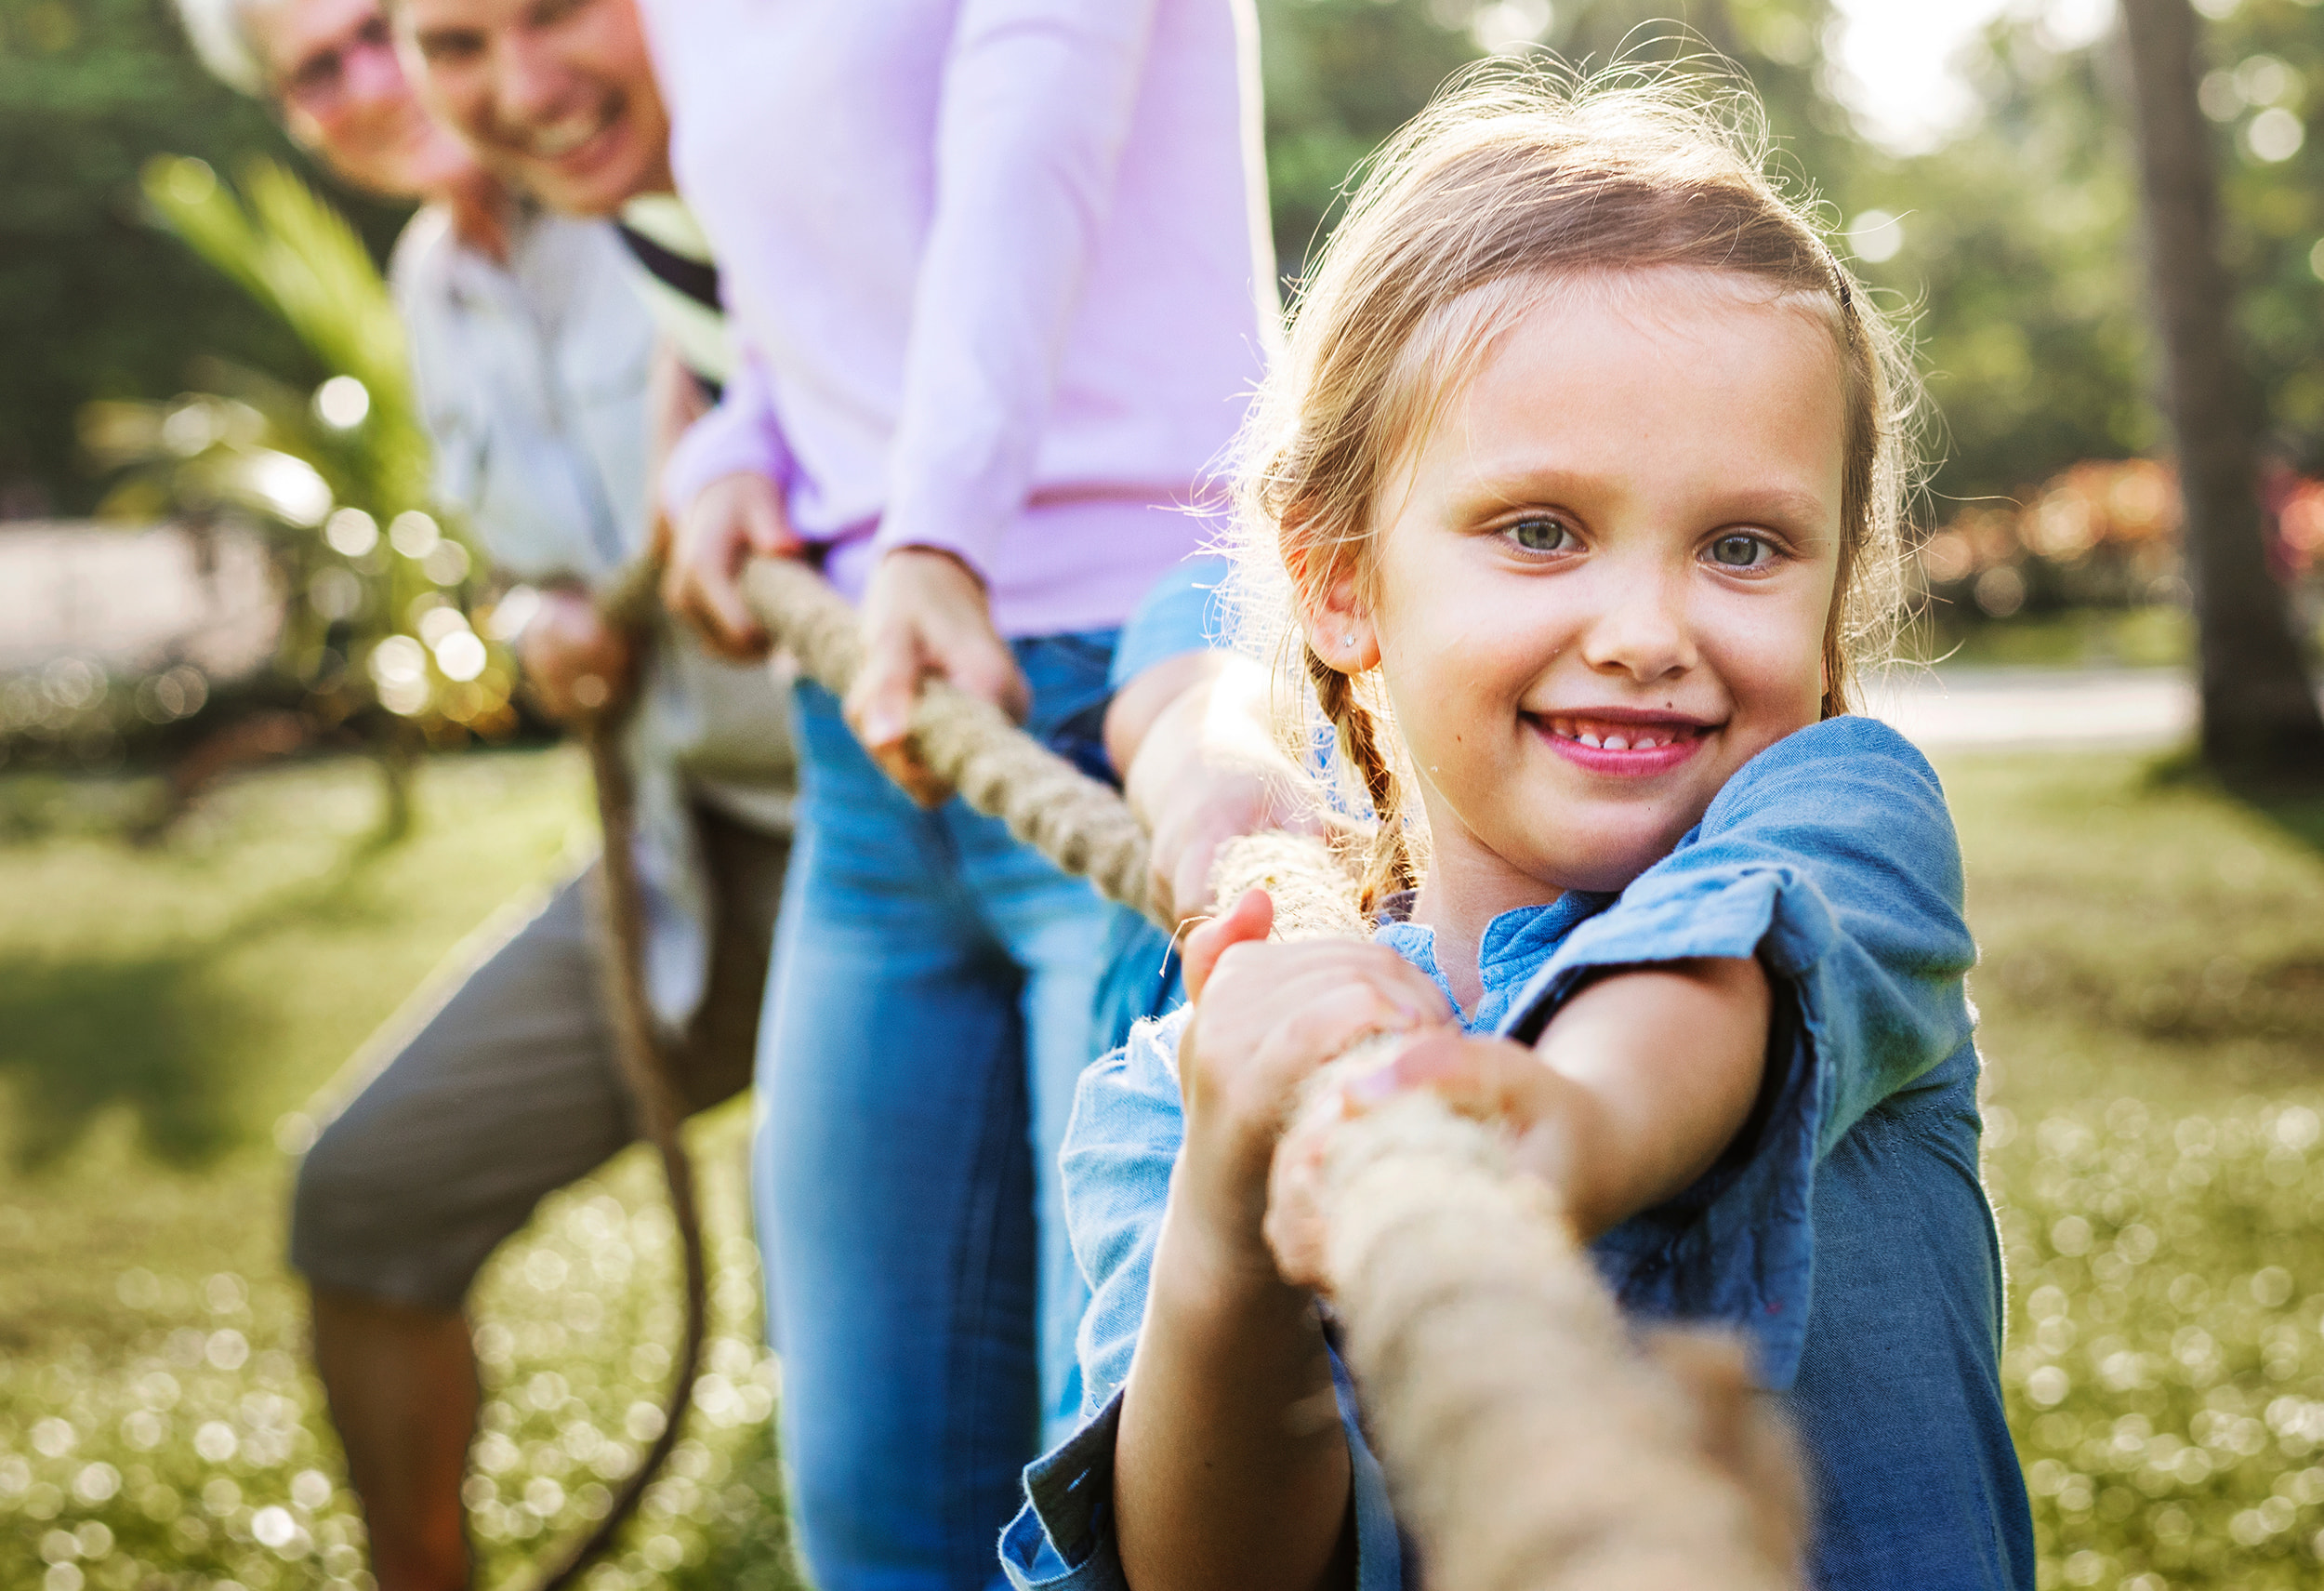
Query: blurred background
x=263 y=761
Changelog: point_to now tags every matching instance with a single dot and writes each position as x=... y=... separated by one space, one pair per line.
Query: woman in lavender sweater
x=1000 y=293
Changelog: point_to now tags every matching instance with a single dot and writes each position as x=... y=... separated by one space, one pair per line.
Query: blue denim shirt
x=1844 y=1230
x=1184 y=611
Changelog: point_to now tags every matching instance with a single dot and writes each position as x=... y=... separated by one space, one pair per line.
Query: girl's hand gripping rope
x=1634 y=1091
x=1231 y=1467
x=1268 y=1016
x=1200 y=767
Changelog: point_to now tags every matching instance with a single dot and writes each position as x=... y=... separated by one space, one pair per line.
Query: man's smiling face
x=557 y=95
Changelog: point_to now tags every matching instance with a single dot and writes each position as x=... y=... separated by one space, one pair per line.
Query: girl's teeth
x=1638 y=742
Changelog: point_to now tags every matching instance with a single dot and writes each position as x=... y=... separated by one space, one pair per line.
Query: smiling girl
x=1578 y=498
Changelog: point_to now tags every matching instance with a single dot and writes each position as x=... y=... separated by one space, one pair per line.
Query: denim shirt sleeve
x=1118 y=1153
x=1832 y=857
x=1184 y=611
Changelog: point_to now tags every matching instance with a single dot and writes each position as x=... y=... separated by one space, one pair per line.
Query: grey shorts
x=509 y=1090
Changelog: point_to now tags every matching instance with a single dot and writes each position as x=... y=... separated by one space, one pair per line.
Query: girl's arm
x=1231 y=1467
x=1826 y=864
x=1651 y=1073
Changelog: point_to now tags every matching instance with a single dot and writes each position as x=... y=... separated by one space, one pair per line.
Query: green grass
x=166 y=1017
x=2153 y=1001
x=2113 y=638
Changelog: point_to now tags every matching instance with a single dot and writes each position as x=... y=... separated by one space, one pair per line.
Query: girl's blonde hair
x=1516 y=178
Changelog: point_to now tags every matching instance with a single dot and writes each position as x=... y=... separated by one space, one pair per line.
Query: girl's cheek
x=1773 y=661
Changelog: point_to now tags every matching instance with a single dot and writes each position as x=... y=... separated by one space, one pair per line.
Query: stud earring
x=1348 y=641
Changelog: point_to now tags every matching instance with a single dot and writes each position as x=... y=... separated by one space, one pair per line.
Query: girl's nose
x=1642 y=628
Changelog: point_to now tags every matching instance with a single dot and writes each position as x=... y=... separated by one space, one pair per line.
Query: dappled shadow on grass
x=2278 y=999
x=159 y=1032
x=2293 y=802
x=152 y=1033
x=2301 y=816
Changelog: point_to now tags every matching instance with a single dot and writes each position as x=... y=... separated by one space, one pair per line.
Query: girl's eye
x=1741 y=552
x=1539 y=535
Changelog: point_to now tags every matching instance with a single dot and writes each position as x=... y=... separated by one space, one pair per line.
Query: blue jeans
x=929 y=1012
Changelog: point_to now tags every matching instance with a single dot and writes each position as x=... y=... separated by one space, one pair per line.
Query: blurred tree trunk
x=2259 y=715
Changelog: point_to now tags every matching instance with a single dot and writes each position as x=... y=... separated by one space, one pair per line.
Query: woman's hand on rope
x=1267 y=1016
x=925 y=612
x=574 y=661
x=732 y=518
x=1200 y=767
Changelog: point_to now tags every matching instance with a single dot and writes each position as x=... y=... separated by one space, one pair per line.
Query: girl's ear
x=1340 y=627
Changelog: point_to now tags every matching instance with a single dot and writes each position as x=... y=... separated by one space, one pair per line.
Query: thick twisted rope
x=1530 y=1442
x=1070 y=819
x=647 y=1074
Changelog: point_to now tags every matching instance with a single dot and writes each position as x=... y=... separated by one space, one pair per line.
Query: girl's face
x=1603 y=581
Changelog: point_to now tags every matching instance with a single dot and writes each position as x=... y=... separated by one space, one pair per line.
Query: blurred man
x=531 y=354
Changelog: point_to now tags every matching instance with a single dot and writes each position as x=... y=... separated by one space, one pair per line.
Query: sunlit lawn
x=2153 y=994
x=2154 y=1012
x=166 y=1017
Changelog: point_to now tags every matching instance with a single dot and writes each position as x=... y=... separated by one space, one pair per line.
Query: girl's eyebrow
x=1490 y=488
x=1781 y=505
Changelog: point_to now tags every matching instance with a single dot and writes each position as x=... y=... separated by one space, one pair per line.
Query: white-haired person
x=533 y=352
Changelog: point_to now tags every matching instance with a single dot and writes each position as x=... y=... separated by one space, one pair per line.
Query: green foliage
x=93 y=302
x=1341 y=76
x=2020 y=253
x=2267 y=62
x=1774 y=45
x=372 y=620
x=298 y=257
x=2021 y=245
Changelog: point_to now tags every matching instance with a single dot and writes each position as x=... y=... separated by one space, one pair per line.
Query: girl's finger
x=1317 y=1031
x=1283 y=978
x=1490 y=1079
x=1250 y=918
x=1380 y=969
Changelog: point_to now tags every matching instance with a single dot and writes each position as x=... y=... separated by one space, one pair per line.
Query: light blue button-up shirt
x=1844 y=1230
x=531 y=378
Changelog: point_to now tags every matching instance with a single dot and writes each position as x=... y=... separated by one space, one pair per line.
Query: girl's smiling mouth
x=1621 y=741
